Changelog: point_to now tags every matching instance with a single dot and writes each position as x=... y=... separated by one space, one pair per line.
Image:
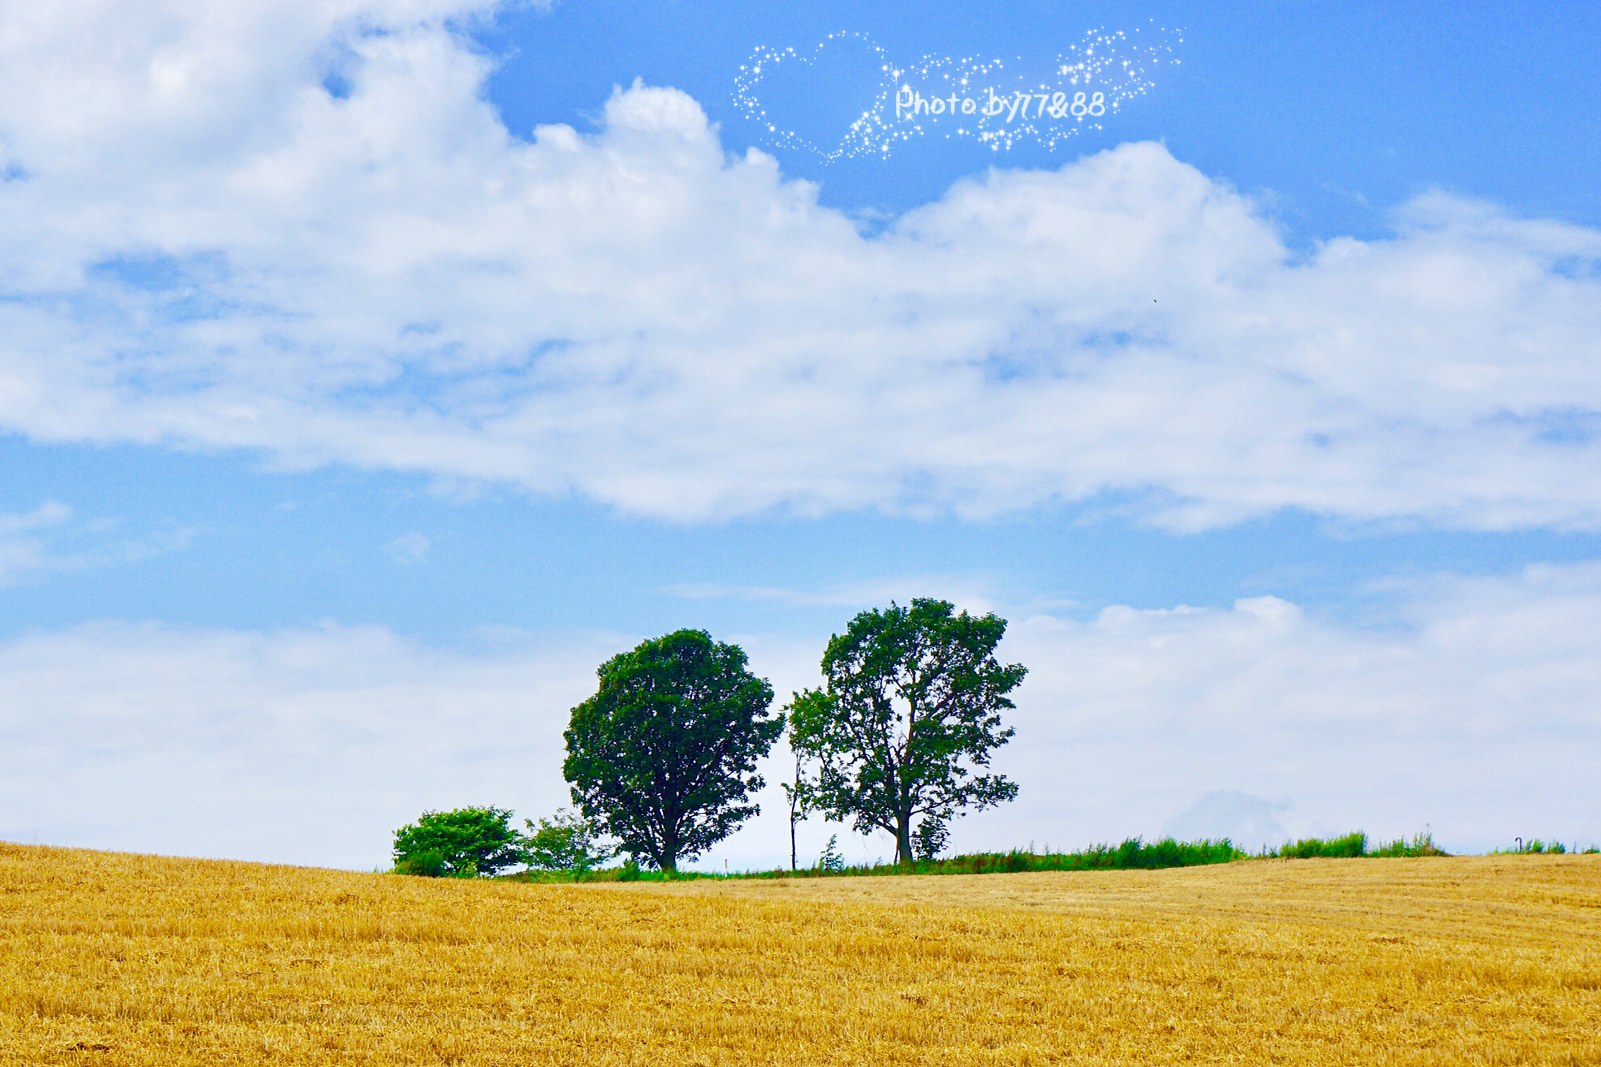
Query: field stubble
x=111 y=958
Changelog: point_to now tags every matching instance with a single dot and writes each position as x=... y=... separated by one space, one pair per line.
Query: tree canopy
x=910 y=706
x=458 y=844
x=564 y=842
x=663 y=756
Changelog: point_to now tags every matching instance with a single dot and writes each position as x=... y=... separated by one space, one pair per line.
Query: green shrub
x=1132 y=853
x=1420 y=845
x=831 y=861
x=429 y=863
x=464 y=843
x=564 y=842
x=1532 y=847
x=1355 y=845
x=1347 y=847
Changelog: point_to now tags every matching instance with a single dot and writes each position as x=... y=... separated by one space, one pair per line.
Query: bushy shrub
x=1420 y=845
x=564 y=842
x=429 y=863
x=1347 y=847
x=464 y=843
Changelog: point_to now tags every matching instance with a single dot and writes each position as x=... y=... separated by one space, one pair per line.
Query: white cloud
x=1480 y=719
x=301 y=746
x=409 y=548
x=21 y=549
x=50 y=513
x=47 y=540
x=313 y=746
x=209 y=249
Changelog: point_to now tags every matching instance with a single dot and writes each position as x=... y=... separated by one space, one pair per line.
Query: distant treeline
x=1132 y=854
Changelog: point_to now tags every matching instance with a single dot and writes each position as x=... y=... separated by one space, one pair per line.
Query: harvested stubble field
x=111 y=958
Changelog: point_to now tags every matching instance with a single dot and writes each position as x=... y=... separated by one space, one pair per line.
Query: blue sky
x=371 y=371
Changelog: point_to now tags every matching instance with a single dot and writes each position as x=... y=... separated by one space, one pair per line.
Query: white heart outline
x=765 y=59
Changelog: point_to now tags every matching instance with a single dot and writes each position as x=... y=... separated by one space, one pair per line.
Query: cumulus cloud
x=312 y=746
x=1479 y=718
x=207 y=246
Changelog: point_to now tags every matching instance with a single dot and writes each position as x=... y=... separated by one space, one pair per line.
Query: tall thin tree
x=909 y=710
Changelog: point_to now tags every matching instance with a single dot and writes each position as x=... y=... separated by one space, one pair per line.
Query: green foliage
x=564 y=842
x=1420 y=845
x=464 y=843
x=663 y=756
x=429 y=863
x=930 y=838
x=1533 y=847
x=831 y=861
x=628 y=871
x=1349 y=846
x=1353 y=845
x=1135 y=854
x=1131 y=854
x=910 y=707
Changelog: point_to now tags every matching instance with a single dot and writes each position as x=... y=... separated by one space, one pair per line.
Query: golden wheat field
x=119 y=959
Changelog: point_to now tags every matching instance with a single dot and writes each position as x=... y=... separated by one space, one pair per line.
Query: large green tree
x=663 y=756
x=910 y=706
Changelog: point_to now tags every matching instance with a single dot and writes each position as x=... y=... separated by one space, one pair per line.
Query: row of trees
x=662 y=759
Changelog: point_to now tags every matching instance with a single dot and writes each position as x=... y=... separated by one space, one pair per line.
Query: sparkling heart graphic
x=879 y=104
x=830 y=86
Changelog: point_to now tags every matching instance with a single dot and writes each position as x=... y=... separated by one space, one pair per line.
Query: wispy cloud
x=211 y=249
x=21 y=549
x=50 y=513
x=408 y=549
x=48 y=540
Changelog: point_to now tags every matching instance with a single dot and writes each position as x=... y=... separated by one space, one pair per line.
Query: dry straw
x=119 y=959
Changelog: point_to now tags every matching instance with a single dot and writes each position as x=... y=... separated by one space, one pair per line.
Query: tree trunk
x=903 y=838
x=666 y=856
x=794 y=812
x=671 y=849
